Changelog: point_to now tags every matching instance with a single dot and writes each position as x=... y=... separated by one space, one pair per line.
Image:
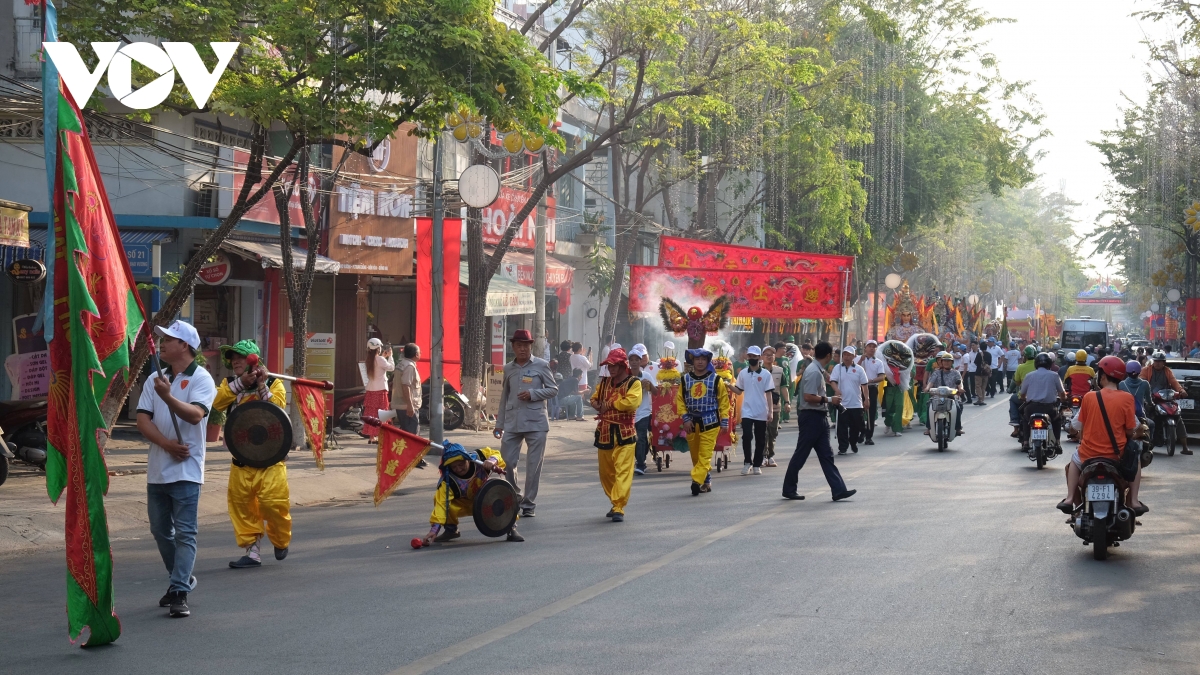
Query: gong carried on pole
x=258 y=433
x=496 y=506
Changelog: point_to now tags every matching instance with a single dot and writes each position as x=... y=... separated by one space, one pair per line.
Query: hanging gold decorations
x=984 y=286
x=466 y=126
x=908 y=261
x=1192 y=216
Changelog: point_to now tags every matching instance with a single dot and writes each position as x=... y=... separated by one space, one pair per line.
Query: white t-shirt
x=872 y=366
x=1012 y=359
x=193 y=385
x=850 y=381
x=971 y=355
x=755 y=385
x=777 y=380
x=581 y=362
x=644 y=409
x=960 y=363
x=996 y=353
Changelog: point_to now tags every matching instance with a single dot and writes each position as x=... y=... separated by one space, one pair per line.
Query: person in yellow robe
x=255 y=495
x=616 y=400
x=454 y=498
x=703 y=402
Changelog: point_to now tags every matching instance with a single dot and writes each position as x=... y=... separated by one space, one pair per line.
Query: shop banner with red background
x=761 y=295
x=451 y=234
x=1192 y=320
x=497 y=217
x=698 y=254
x=264 y=211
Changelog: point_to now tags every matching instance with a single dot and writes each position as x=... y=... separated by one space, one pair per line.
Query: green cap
x=242 y=347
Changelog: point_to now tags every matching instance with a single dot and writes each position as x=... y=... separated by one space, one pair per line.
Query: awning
x=272 y=255
x=518 y=266
x=503 y=297
x=37 y=243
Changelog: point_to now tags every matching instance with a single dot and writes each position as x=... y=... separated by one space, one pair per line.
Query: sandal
x=1066 y=507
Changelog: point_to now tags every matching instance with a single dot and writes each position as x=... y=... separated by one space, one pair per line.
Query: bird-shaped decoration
x=695 y=323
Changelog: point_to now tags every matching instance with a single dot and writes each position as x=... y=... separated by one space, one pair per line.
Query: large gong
x=495 y=509
x=258 y=433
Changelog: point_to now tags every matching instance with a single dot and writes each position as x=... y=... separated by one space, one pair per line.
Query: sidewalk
x=29 y=522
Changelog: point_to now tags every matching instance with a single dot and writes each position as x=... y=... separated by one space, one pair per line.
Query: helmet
x=1158 y=356
x=1030 y=352
x=1043 y=361
x=944 y=355
x=1113 y=367
x=1055 y=347
x=1132 y=368
x=1081 y=356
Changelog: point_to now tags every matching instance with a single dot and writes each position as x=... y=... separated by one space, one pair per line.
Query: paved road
x=943 y=563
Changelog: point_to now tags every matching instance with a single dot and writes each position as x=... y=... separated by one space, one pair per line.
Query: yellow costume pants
x=616 y=474
x=462 y=507
x=701 y=446
x=256 y=495
x=908 y=409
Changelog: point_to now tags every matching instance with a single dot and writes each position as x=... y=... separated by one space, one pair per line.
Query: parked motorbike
x=1167 y=423
x=24 y=435
x=1069 y=411
x=454 y=406
x=348 y=408
x=1102 y=517
x=1043 y=447
x=943 y=414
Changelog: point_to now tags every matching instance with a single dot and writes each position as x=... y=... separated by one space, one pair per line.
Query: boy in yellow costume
x=454 y=498
x=703 y=402
x=254 y=494
x=616 y=399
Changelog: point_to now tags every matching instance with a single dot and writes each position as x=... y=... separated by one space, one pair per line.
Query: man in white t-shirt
x=638 y=361
x=580 y=360
x=850 y=382
x=172 y=414
x=781 y=400
x=875 y=370
x=996 y=376
x=755 y=385
x=1012 y=359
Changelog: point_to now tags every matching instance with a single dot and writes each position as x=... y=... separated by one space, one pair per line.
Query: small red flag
x=311 y=402
x=399 y=451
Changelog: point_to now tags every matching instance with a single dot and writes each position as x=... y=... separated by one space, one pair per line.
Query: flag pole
x=158 y=373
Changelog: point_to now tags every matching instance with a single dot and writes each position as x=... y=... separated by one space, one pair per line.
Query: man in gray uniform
x=528 y=383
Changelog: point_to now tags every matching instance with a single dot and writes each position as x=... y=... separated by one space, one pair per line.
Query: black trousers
x=756 y=431
x=407 y=422
x=814 y=435
x=849 y=428
x=872 y=412
x=642 y=449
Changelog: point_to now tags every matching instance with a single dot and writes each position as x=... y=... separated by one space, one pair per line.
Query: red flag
x=310 y=401
x=697 y=253
x=398 y=452
x=761 y=295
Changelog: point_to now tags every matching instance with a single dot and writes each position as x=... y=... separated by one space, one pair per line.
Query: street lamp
x=973 y=299
x=892 y=281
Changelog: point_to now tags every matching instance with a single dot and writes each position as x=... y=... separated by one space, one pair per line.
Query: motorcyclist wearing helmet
x=1041 y=390
x=1094 y=440
x=946 y=376
x=1014 y=401
x=1079 y=377
x=1138 y=387
x=1160 y=377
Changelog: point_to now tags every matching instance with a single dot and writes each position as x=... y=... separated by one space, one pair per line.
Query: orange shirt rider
x=1094 y=441
x=1149 y=373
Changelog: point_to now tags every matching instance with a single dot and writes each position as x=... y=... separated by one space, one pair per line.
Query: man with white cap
x=850 y=382
x=755 y=385
x=172 y=414
x=638 y=368
x=875 y=369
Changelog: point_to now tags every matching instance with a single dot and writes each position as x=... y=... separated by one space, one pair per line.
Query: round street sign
x=217 y=270
x=479 y=186
x=27 y=270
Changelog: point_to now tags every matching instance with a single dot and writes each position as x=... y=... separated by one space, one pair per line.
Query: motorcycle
x=454 y=406
x=348 y=408
x=943 y=414
x=1147 y=449
x=1102 y=517
x=1166 y=419
x=1043 y=447
x=24 y=438
x=1069 y=411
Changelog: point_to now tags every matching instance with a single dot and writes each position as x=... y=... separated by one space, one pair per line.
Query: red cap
x=616 y=357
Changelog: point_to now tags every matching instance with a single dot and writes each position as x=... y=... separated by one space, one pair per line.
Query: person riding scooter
x=1141 y=392
x=946 y=376
x=1041 y=390
x=1160 y=377
x=1078 y=378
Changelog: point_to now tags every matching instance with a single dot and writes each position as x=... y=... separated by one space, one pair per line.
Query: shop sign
x=216 y=271
x=264 y=211
x=139 y=259
x=27 y=339
x=14 y=228
x=32 y=373
x=371 y=224
x=319 y=357
x=27 y=271
x=498 y=347
x=497 y=217
x=505 y=303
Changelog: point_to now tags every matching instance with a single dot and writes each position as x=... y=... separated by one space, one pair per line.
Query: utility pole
x=539 y=279
x=437 y=273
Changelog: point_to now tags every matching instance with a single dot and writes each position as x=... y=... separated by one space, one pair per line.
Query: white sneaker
x=757 y=471
x=745 y=469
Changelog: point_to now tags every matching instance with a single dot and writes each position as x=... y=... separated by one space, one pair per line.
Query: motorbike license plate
x=1103 y=492
x=1186 y=403
x=1037 y=434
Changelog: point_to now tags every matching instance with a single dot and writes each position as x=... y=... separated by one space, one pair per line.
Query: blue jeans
x=173 y=508
x=554 y=406
x=574 y=404
x=1014 y=414
x=642 y=427
x=814 y=435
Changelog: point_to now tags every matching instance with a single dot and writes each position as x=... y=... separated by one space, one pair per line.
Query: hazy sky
x=1081 y=57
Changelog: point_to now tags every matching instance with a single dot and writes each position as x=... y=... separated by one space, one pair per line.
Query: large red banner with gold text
x=760 y=295
x=698 y=254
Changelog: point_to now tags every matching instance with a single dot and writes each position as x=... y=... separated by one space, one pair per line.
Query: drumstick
x=379 y=423
x=158 y=373
x=252 y=362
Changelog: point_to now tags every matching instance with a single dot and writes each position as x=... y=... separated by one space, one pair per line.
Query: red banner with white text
x=698 y=254
x=497 y=217
x=760 y=295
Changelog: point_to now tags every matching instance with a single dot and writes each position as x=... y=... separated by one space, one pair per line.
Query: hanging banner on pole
x=699 y=254
x=760 y=295
x=451 y=230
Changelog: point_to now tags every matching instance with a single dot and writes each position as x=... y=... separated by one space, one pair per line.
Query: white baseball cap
x=669 y=345
x=849 y=348
x=754 y=350
x=638 y=350
x=872 y=342
x=180 y=330
x=374 y=343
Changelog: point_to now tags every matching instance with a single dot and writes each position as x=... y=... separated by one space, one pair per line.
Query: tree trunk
x=474 y=346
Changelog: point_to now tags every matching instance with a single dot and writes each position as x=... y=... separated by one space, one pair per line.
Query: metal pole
x=539 y=279
x=436 y=432
x=875 y=306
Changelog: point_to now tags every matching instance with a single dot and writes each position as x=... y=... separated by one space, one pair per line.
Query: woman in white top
x=379 y=364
